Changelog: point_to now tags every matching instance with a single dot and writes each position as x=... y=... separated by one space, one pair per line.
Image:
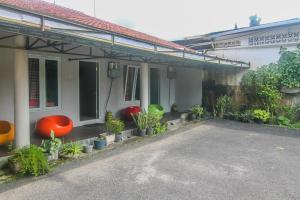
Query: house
x=58 y=61
x=259 y=45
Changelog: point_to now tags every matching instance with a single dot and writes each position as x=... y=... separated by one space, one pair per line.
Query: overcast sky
x=175 y=19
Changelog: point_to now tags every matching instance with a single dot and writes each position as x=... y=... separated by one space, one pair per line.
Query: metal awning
x=117 y=46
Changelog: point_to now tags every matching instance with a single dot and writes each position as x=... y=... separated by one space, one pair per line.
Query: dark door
x=88 y=90
x=154 y=85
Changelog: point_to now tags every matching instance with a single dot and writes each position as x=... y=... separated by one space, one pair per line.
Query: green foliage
x=283 y=121
x=260 y=115
x=286 y=111
x=296 y=125
x=72 y=148
x=246 y=116
x=269 y=97
x=261 y=87
x=141 y=120
x=153 y=119
x=224 y=105
x=29 y=161
x=52 y=145
x=160 y=128
x=289 y=68
x=101 y=137
x=115 y=126
x=198 y=110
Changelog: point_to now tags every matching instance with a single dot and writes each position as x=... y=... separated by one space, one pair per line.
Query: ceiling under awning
x=23 y=22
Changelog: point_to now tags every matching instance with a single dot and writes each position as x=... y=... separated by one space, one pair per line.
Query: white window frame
x=42 y=82
x=135 y=78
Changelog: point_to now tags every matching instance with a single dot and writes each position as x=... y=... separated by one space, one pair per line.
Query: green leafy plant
x=52 y=145
x=153 y=119
x=72 y=148
x=198 y=110
x=283 y=121
x=224 y=104
x=141 y=120
x=246 y=116
x=289 y=67
x=115 y=126
x=160 y=128
x=101 y=137
x=29 y=161
x=260 y=115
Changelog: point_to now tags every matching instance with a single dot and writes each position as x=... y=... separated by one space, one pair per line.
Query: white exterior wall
x=188 y=87
x=70 y=89
x=258 y=55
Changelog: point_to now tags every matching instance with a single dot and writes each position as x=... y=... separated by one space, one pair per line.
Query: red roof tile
x=50 y=9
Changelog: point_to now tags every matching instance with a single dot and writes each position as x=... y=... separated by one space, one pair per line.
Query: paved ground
x=217 y=160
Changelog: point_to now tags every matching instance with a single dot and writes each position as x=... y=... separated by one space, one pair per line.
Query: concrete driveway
x=216 y=160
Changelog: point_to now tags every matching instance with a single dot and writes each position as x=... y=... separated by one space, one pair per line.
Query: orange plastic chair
x=61 y=125
x=7 y=132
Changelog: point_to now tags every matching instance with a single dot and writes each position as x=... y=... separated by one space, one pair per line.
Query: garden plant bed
x=7 y=177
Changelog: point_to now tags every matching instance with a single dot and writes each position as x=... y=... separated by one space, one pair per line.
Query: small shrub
x=224 y=105
x=153 y=119
x=197 y=110
x=52 y=145
x=283 y=121
x=72 y=148
x=29 y=161
x=246 y=116
x=141 y=120
x=115 y=126
x=260 y=115
x=160 y=128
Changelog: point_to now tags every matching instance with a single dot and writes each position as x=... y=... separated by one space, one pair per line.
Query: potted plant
x=197 y=111
x=223 y=105
x=88 y=148
x=110 y=137
x=260 y=116
x=51 y=146
x=100 y=142
x=117 y=126
x=153 y=119
x=141 y=120
x=72 y=149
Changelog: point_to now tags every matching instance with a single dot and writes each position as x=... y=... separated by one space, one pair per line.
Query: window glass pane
x=129 y=73
x=51 y=70
x=137 y=88
x=34 y=82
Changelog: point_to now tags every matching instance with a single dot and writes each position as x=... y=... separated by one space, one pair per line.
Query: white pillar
x=144 y=86
x=21 y=94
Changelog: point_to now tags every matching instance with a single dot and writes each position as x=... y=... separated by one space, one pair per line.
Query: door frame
x=159 y=83
x=96 y=120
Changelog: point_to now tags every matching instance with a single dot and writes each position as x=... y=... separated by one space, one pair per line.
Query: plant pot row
x=144 y=132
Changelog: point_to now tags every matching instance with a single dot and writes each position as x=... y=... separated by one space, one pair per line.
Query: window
x=34 y=82
x=131 y=83
x=44 y=83
x=51 y=73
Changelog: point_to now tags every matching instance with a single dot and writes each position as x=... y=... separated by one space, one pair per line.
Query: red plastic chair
x=61 y=125
x=131 y=110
